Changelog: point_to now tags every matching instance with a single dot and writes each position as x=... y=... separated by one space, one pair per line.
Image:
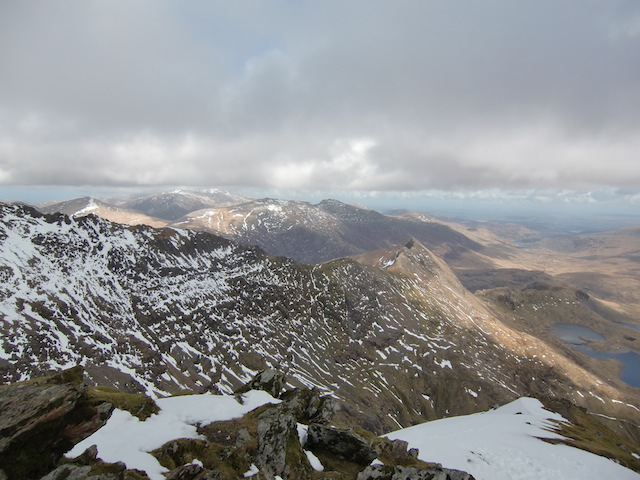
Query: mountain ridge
x=167 y=310
x=317 y=233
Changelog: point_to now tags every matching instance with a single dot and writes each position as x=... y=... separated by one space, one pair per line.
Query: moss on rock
x=139 y=405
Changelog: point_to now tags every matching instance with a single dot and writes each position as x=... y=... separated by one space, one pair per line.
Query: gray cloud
x=321 y=95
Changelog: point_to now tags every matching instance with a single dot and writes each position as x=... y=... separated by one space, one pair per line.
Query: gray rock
x=269 y=380
x=310 y=406
x=83 y=472
x=276 y=427
x=185 y=472
x=69 y=472
x=87 y=457
x=42 y=419
x=210 y=476
x=345 y=444
x=243 y=437
x=384 y=472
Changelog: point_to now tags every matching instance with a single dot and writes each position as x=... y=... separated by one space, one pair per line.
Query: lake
x=576 y=335
x=629 y=325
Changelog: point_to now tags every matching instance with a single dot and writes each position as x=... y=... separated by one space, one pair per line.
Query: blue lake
x=576 y=335
x=629 y=325
x=630 y=359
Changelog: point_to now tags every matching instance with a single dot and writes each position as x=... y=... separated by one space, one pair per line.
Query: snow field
x=503 y=444
x=127 y=439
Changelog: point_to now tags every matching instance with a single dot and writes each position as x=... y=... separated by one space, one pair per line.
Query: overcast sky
x=401 y=96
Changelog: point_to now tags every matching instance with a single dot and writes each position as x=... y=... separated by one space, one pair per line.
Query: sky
x=374 y=99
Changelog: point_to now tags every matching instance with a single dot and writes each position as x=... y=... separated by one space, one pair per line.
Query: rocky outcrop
x=344 y=444
x=192 y=471
x=276 y=441
x=310 y=406
x=269 y=380
x=42 y=419
x=385 y=472
x=98 y=471
x=279 y=451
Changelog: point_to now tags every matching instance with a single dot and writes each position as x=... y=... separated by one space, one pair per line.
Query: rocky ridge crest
x=267 y=438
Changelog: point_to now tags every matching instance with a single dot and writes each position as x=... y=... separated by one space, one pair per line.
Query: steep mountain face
x=317 y=233
x=394 y=335
x=78 y=207
x=177 y=203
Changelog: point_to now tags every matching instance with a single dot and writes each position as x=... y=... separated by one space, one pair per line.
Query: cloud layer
x=363 y=95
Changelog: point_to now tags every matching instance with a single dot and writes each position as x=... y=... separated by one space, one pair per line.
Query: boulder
x=310 y=406
x=279 y=450
x=384 y=472
x=269 y=380
x=395 y=449
x=101 y=471
x=69 y=472
x=42 y=419
x=344 y=444
x=185 y=472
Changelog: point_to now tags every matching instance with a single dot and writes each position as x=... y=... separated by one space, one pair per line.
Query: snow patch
x=253 y=470
x=444 y=363
x=125 y=438
x=302 y=433
x=503 y=444
x=314 y=461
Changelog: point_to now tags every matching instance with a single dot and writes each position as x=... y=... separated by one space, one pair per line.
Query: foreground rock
x=293 y=440
x=40 y=420
x=383 y=472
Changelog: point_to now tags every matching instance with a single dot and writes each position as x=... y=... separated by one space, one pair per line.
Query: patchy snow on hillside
x=504 y=444
x=127 y=439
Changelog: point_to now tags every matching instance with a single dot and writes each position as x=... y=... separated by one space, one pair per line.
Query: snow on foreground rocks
x=505 y=444
x=127 y=439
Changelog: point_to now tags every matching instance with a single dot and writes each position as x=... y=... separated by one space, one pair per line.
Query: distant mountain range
x=177 y=203
x=79 y=207
x=155 y=210
x=299 y=230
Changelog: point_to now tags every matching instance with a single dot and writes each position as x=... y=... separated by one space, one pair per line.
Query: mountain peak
x=178 y=203
x=413 y=244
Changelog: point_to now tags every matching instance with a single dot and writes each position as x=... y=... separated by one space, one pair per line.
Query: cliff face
x=394 y=335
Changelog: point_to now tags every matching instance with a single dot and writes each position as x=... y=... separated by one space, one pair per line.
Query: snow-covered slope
x=501 y=444
x=176 y=203
x=78 y=207
x=506 y=444
x=396 y=336
x=317 y=233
